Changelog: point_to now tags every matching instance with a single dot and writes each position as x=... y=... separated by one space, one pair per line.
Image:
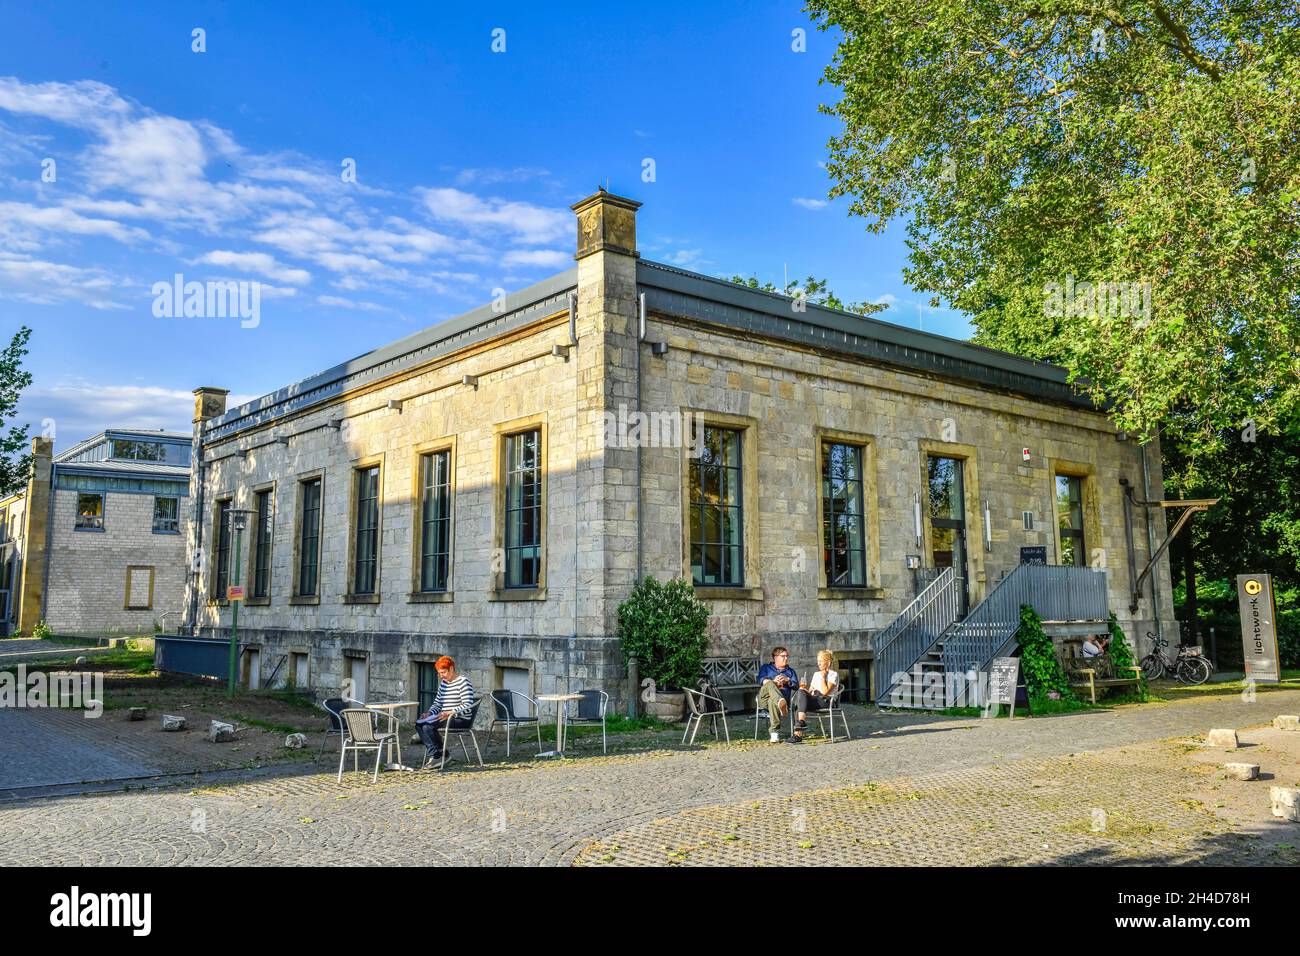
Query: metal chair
x=334 y=707
x=591 y=711
x=702 y=704
x=503 y=712
x=760 y=712
x=832 y=709
x=363 y=735
x=460 y=733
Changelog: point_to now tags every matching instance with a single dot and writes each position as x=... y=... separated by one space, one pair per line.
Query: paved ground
x=42 y=747
x=576 y=811
x=29 y=649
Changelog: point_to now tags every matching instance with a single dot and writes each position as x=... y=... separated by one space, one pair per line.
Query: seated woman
x=815 y=694
x=454 y=703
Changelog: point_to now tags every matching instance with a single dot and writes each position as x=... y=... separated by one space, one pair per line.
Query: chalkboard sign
x=1035 y=554
x=1004 y=675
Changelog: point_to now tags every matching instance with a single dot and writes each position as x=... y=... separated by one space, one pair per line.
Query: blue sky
x=226 y=165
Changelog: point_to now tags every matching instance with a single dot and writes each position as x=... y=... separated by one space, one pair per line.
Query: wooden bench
x=735 y=675
x=1094 y=672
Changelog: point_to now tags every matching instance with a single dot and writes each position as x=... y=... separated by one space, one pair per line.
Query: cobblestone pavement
x=41 y=747
x=28 y=649
x=564 y=812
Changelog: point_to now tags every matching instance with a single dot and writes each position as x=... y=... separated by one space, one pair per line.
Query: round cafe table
x=560 y=700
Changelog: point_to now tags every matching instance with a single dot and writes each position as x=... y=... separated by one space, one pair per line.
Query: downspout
x=640 y=338
x=1151 y=542
x=49 y=537
x=196 y=456
x=573 y=343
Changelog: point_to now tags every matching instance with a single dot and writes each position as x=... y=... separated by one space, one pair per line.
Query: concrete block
x=136 y=713
x=1286 y=722
x=221 y=733
x=170 y=722
x=1285 y=802
x=1242 y=771
x=295 y=741
x=1223 y=738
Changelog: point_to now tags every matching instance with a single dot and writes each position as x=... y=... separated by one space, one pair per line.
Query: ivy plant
x=1042 y=671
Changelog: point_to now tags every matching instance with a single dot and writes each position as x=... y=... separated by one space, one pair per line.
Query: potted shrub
x=662 y=627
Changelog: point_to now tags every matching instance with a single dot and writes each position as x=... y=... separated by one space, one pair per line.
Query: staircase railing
x=915 y=630
x=1057 y=593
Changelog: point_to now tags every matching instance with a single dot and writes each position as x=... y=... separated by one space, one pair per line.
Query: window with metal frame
x=309 y=528
x=90 y=513
x=435 y=521
x=221 y=579
x=523 y=509
x=366 y=544
x=844 y=545
x=427 y=681
x=166 y=515
x=262 y=528
x=1069 y=519
x=717 y=510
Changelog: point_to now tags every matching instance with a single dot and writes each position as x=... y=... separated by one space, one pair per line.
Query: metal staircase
x=926 y=643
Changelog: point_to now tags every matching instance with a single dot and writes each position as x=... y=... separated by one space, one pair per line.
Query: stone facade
x=122 y=578
x=612 y=511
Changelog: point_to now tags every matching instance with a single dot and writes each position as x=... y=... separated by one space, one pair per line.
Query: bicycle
x=1188 y=667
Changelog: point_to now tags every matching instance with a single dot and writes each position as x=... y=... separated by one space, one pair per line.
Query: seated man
x=814 y=696
x=776 y=682
x=1094 y=646
x=454 y=703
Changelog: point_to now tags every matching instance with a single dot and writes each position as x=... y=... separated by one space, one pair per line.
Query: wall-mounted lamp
x=470 y=380
x=560 y=351
x=1121 y=436
x=395 y=404
x=335 y=423
x=658 y=349
x=988 y=528
x=916 y=515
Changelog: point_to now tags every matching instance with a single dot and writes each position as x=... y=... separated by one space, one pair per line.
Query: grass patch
x=119 y=659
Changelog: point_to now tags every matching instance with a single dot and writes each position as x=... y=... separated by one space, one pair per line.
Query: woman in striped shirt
x=454 y=703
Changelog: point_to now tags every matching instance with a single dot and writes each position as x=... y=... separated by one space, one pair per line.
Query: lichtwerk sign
x=1258 y=627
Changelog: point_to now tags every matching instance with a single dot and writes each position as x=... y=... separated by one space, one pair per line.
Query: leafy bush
x=1042 y=671
x=1120 y=653
x=42 y=631
x=662 y=627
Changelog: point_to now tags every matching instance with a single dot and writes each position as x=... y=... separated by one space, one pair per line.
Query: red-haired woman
x=454 y=703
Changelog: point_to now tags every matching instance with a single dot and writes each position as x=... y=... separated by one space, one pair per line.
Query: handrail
x=915 y=630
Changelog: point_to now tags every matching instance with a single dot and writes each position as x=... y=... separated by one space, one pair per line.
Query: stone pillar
x=209 y=403
x=36 y=537
x=606 y=379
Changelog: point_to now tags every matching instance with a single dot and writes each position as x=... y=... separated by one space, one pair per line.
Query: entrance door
x=948 y=523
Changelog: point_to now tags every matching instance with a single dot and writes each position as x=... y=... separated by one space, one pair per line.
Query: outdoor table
x=560 y=700
x=391 y=707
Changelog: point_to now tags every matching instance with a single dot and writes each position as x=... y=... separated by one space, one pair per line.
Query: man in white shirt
x=1094 y=646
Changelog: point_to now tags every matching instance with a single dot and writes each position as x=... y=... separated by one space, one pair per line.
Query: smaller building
x=95 y=545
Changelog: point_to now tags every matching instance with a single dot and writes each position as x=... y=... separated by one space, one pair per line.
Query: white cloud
x=340 y=303
x=529 y=223
x=58 y=219
x=809 y=203
x=258 y=263
x=41 y=282
x=541 y=258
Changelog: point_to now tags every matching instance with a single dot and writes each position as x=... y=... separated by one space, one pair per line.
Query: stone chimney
x=36 y=536
x=606 y=324
x=209 y=402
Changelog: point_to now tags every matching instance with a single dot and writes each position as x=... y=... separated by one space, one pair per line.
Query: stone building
x=95 y=545
x=491 y=487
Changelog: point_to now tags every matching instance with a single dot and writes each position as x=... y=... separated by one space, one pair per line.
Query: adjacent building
x=95 y=545
x=493 y=486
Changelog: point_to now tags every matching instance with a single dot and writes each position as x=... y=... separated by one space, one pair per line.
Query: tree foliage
x=815 y=291
x=15 y=459
x=1146 y=148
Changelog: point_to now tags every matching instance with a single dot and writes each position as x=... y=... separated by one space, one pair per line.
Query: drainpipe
x=1151 y=542
x=49 y=537
x=640 y=338
x=196 y=461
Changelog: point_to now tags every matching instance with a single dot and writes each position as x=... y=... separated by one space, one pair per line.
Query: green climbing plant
x=1120 y=653
x=1043 y=673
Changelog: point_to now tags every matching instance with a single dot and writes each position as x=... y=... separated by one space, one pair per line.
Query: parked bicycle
x=1188 y=667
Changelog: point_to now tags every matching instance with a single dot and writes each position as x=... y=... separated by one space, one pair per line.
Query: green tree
x=815 y=291
x=15 y=458
x=664 y=627
x=1147 y=147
